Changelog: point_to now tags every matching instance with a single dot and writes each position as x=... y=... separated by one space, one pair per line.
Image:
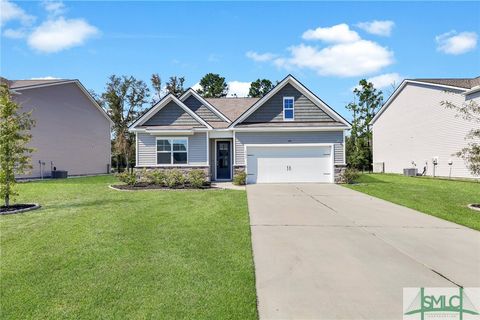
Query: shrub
x=130 y=178
x=349 y=175
x=157 y=177
x=197 y=178
x=240 y=179
x=174 y=178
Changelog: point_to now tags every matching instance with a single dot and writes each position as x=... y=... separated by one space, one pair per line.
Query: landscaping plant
x=240 y=179
x=157 y=177
x=174 y=179
x=349 y=175
x=130 y=178
x=197 y=178
x=15 y=127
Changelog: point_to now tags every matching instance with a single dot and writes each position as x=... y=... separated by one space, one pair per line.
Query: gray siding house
x=72 y=131
x=414 y=129
x=289 y=135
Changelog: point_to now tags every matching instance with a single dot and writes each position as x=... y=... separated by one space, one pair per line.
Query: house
x=414 y=129
x=289 y=135
x=72 y=132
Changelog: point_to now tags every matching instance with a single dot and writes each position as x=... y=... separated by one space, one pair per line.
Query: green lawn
x=92 y=252
x=446 y=199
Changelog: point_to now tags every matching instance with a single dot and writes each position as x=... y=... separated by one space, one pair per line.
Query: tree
x=15 y=134
x=157 y=87
x=359 y=144
x=259 y=88
x=469 y=111
x=124 y=99
x=175 y=86
x=213 y=86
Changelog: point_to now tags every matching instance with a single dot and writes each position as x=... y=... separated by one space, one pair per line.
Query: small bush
x=174 y=179
x=130 y=178
x=349 y=175
x=240 y=179
x=157 y=177
x=197 y=178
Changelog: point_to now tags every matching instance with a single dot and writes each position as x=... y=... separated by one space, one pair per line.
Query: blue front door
x=224 y=160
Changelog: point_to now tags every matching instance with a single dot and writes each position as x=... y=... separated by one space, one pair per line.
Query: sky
x=328 y=46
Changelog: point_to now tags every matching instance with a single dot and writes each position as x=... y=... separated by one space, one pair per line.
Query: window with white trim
x=172 y=151
x=288 y=108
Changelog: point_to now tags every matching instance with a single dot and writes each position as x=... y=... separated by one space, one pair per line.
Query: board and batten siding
x=272 y=110
x=416 y=128
x=172 y=115
x=243 y=138
x=147 y=156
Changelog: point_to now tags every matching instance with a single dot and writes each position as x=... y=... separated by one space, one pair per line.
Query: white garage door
x=280 y=164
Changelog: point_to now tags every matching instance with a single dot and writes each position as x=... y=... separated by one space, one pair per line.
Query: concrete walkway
x=326 y=252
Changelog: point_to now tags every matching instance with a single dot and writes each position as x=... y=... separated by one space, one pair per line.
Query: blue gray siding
x=335 y=137
x=197 y=149
x=172 y=115
x=196 y=106
x=272 y=110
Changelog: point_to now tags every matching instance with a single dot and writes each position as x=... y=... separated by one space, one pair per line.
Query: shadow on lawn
x=99 y=203
x=370 y=178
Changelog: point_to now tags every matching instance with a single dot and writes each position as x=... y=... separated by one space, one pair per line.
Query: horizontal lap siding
x=172 y=115
x=272 y=110
x=335 y=137
x=197 y=149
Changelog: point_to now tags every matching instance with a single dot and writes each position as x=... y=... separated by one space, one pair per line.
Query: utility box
x=59 y=174
x=410 y=172
x=378 y=167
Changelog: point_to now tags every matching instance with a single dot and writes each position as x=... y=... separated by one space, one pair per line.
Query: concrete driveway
x=326 y=252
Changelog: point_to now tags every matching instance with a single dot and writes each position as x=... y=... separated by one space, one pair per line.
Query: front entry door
x=223 y=160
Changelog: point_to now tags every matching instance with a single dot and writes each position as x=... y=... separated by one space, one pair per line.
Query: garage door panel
x=270 y=164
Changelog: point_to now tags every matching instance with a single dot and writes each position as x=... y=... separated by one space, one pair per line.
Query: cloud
x=344 y=60
x=377 y=27
x=59 y=34
x=196 y=86
x=15 y=33
x=238 y=88
x=54 y=8
x=11 y=12
x=385 y=80
x=45 y=78
x=339 y=33
x=260 y=57
x=456 y=43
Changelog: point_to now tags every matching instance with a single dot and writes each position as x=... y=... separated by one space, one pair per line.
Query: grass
x=446 y=199
x=92 y=252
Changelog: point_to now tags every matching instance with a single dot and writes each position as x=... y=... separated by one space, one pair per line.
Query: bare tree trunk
x=7 y=198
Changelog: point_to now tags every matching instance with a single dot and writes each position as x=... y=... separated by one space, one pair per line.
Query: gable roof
x=300 y=87
x=466 y=83
x=462 y=84
x=162 y=103
x=206 y=103
x=232 y=107
x=19 y=85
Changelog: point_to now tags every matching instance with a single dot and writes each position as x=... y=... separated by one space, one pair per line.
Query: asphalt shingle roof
x=467 y=83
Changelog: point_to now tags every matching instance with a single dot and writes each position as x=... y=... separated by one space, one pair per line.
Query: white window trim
x=171 y=151
x=293 y=108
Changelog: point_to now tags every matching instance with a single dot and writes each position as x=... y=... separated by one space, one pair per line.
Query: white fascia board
x=190 y=92
x=403 y=85
x=300 y=87
x=471 y=91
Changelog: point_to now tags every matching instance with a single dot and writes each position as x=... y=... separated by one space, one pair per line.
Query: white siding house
x=413 y=128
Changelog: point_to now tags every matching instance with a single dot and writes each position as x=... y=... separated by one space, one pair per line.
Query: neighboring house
x=72 y=131
x=289 y=135
x=414 y=129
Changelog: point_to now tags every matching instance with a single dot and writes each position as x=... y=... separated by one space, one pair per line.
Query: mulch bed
x=18 y=208
x=138 y=187
x=474 y=206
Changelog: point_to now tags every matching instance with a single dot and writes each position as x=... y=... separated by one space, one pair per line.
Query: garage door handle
x=327 y=173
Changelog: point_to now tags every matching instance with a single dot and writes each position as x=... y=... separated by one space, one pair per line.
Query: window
x=288 y=106
x=172 y=151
